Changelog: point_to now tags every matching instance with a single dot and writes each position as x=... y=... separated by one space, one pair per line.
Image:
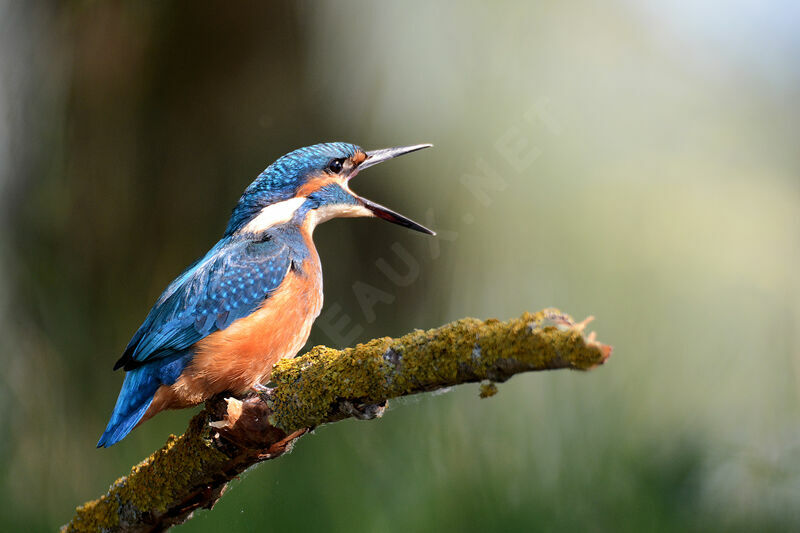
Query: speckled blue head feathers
x=281 y=179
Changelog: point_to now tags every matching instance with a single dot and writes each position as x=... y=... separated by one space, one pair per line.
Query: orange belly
x=242 y=355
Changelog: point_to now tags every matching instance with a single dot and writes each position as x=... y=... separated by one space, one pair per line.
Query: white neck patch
x=273 y=215
x=282 y=212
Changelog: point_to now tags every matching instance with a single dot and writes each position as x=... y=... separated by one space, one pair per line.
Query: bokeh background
x=636 y=161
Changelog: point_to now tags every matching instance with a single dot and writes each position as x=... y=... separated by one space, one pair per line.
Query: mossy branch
x=326 y=385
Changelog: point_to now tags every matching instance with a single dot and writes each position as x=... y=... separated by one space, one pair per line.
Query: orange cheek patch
x=314 y=184
x=359 y=157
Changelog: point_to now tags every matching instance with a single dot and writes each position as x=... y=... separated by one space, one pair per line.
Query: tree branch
x=326 y=385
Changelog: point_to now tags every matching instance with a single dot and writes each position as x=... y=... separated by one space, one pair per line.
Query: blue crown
x=281 y=179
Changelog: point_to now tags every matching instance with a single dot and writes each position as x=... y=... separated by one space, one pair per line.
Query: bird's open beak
x=379 y=156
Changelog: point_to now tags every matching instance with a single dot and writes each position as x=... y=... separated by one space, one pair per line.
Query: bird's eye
x=335 y=166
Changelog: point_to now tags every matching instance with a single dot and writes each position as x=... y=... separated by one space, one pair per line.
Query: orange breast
x=241 y=356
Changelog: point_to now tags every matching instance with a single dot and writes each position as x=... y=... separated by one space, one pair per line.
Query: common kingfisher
x=224 y=322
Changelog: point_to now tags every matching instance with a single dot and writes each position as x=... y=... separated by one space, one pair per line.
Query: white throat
x=327 y=212
x=282 y=212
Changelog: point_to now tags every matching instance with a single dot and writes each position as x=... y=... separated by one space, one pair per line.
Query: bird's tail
x=135 y=397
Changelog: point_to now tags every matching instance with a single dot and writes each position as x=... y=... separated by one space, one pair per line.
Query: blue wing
x=229 y=283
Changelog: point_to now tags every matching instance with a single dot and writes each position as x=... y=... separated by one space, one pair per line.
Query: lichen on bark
x=326 y=385
x=468 y=350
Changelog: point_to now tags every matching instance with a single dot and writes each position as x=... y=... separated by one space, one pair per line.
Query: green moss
x=156 y=484
x=488 y=389
x=97 y=515
x=309 y=388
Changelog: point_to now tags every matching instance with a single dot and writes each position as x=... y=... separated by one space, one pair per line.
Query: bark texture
x=322 y=386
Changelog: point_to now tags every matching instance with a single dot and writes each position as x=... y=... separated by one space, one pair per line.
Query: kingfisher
x=251 y=300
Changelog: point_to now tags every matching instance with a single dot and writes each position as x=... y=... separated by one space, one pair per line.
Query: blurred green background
x=636 y=161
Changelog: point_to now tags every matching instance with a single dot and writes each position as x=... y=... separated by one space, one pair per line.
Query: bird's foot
x=263 y=391
x=259 y=388
x=363 y=411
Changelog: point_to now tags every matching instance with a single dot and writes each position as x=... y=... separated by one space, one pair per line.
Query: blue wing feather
x=229 y=283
